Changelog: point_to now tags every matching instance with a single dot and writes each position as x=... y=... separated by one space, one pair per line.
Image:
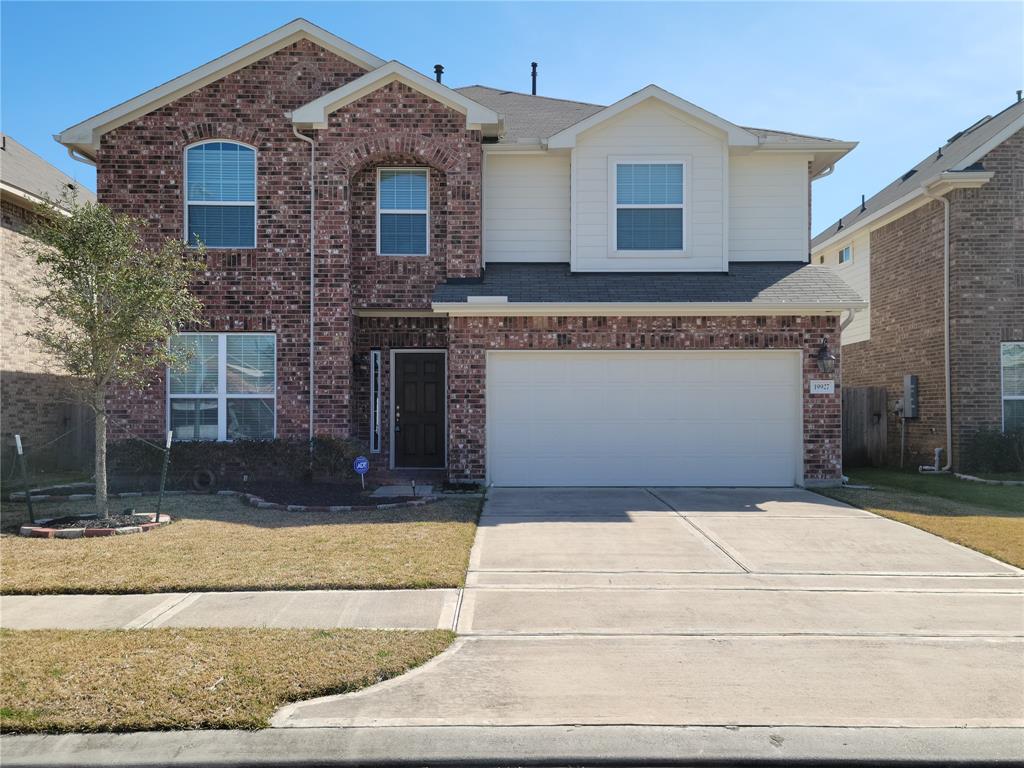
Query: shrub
x=992 y=451
x=138 y=463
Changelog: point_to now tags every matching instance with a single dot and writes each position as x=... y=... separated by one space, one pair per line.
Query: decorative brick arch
x=355 y=157
x=225 y=131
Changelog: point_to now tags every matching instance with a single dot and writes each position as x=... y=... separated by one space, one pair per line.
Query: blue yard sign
x=361 y=465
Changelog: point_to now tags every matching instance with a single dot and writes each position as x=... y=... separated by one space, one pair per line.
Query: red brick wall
x=986 y=307
x=470 y=338
x=140 y=170
x=987 y=294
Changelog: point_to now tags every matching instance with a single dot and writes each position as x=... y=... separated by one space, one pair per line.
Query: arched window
x=220 y=195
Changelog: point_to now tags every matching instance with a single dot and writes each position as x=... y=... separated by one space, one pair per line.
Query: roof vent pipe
x=840 y=225
x=533 y=78
x=438 y=71
x=939 y=154
x=1019 y=93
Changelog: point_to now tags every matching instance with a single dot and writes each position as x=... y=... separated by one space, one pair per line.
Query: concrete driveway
x=667 y=606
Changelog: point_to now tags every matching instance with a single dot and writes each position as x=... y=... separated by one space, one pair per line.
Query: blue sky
x=898 y=78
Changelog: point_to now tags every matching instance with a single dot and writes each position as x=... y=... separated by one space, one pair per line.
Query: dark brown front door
x=419 y=409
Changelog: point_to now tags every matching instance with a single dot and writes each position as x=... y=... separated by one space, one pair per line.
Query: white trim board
x=85 y=136
x=494 y=307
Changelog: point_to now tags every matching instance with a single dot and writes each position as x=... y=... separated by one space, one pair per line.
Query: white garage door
x=643 y=418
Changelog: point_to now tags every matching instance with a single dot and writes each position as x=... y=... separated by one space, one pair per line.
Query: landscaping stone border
x=250 y=499
x=41 y=531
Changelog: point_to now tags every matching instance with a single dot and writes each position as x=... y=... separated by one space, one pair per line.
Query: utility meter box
x=910 y=396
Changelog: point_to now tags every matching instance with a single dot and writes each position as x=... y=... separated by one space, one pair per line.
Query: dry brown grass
x=114 y=680
x=218 y=543
x=995 y=532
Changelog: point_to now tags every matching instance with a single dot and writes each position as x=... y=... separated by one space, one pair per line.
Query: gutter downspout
x=945 y=328
x=74 y=154
x=312 y=271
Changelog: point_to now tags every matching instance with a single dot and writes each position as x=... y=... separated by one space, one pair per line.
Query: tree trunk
x=101 y=452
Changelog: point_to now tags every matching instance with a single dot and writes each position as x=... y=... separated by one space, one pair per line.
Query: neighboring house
x=511 y=288
x=34 y=401
x=891 y=249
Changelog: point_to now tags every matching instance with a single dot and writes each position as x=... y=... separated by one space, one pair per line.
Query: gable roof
x=26 y=175
x=747 y=286
x=314 y=114
x=955 y=161
x=737 y=136
x=85 y=136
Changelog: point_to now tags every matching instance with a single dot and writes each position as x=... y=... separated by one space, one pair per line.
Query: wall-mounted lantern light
x=826 y=360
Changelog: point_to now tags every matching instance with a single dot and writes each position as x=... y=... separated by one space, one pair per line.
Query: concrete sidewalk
x=313 y=609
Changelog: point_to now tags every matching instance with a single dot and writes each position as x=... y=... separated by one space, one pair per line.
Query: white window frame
x=375 y=396
x=614 y=162
x=424 y=211
x=1003 y=397
x=848 y=250
x=239 y=203
x=222 y=396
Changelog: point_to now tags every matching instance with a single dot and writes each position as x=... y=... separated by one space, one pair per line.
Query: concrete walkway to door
x=669 y=607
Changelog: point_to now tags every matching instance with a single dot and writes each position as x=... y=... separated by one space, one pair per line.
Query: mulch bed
x=317 y=494
x=114 y=521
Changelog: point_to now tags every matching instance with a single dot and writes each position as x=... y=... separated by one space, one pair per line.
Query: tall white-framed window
x=403 y=212
x=226 y=390
x=846 y=255
x=1011 y=366
x=648 y=205
x=375 y=400
x=220 y=194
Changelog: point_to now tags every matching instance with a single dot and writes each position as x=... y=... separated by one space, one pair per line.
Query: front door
x=419 y=409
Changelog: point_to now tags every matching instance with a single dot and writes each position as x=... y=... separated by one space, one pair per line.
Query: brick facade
x=36 y=400
x=471 y=338
x=986 y=307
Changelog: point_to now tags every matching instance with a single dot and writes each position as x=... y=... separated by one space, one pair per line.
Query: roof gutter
x=495 y=306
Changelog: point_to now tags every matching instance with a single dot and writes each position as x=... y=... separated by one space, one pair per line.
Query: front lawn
x=989 y=519
x=219 y=543
x=137 y=680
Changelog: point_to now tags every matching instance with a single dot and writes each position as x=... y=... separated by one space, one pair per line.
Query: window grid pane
x=403 y=190
x=199 y=376
x=649 y=184
x=250 y=364
x=250 y=419
x=403 y=234
x=194 y=418
x=221 y=172
x=1012 y=355
x=222 y=226
x=649 y=229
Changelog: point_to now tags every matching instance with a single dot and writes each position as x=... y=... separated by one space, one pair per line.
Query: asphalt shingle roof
x=27 y=171
x=957 y=147
x=539 y=117
x=754 y=282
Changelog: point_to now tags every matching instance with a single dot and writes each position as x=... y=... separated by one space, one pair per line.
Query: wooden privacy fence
x=864 y=427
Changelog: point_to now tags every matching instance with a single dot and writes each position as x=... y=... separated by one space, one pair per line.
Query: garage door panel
x=643 y=418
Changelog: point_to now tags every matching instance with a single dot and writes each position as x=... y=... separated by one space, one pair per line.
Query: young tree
x=106 y=303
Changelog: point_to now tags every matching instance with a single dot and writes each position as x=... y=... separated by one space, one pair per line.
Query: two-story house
x=939 y=252
x=516 y=289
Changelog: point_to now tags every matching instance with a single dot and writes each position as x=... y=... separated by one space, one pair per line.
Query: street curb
x=619 y=745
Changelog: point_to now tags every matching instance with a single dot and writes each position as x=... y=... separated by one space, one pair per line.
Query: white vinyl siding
x=526 y=207
x=628 y=418
x=660 y=134
x=226 y=390
x=857 y=274
x=768 y=207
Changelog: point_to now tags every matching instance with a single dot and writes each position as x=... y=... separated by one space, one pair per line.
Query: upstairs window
x=220 y=195
x=402 y=212
x=846 y=255
x=649 y=206
x=1012 y=367
x=227 y=389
